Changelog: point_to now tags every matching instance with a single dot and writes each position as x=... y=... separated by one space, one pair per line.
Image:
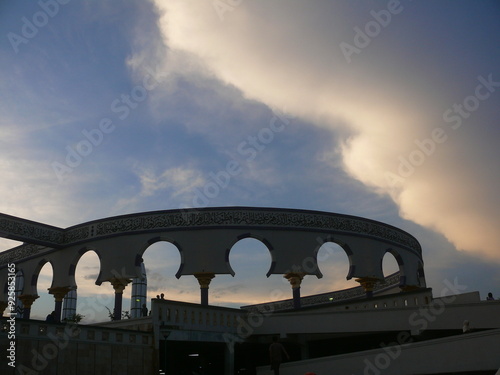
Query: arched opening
x=93 y=301
x=250 y=260
x=391 y=263
x=43 y=281
x=162 y=261
x=333 y=262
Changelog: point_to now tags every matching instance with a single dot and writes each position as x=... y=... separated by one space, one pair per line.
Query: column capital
x=59 y=292
x=367 y=283
x=294 y=278
x=204 y=278
x=27 y=299
x=119 y=284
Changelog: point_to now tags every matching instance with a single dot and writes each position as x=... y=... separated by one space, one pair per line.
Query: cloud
x=386 y=101
x=177 y=181
x=175 y=184
x=219 y=80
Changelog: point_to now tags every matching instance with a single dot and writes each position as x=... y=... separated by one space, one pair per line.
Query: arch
x=251 y=255
x=91 y=302
x=242 y=239
x=76 y=260
x=334 y=264
x=87 y=264
x=41 y=282
x=329 y=245
x=38 y=270
x=152 y=241
x=392 y=262
x=162 y=258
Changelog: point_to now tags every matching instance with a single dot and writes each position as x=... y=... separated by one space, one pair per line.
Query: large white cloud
x=287 y=56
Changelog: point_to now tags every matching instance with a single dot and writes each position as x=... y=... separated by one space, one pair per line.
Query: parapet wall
x=52 y=348
x=471 y=353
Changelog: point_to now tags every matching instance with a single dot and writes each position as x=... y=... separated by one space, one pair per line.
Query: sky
x=384 y=110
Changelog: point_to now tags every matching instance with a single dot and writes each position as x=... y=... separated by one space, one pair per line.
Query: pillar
x=27 y=300
x=59 y=292
x=204 y=279
x=119 y=286
x=295 y=279
x=368 y=283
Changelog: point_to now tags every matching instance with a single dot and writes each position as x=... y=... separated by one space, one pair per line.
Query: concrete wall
x=468 y=352
x=45 y=348
x=439 y=314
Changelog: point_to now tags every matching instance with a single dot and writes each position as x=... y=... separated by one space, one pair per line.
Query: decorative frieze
x=20 y=229
x=192 y=219
x=233 y=218
x=21 y=252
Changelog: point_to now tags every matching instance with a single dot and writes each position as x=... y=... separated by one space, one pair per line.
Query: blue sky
x=385 y=110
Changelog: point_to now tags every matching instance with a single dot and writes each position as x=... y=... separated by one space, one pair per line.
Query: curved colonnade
x=204 y=238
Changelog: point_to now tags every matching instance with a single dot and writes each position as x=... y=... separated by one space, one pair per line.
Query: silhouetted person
x=157 y=296
x=51 y=318
x=144 y=310
x=162 y=296
x=276 y=350
x=490 y=297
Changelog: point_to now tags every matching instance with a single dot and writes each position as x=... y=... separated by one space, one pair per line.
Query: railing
x=144 y=324
x=40 y=330
x=191 y=316
x=421 y=297
x=357 y=292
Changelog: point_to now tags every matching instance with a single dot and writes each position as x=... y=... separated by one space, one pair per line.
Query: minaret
x=139 y=293
x=69 y=305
